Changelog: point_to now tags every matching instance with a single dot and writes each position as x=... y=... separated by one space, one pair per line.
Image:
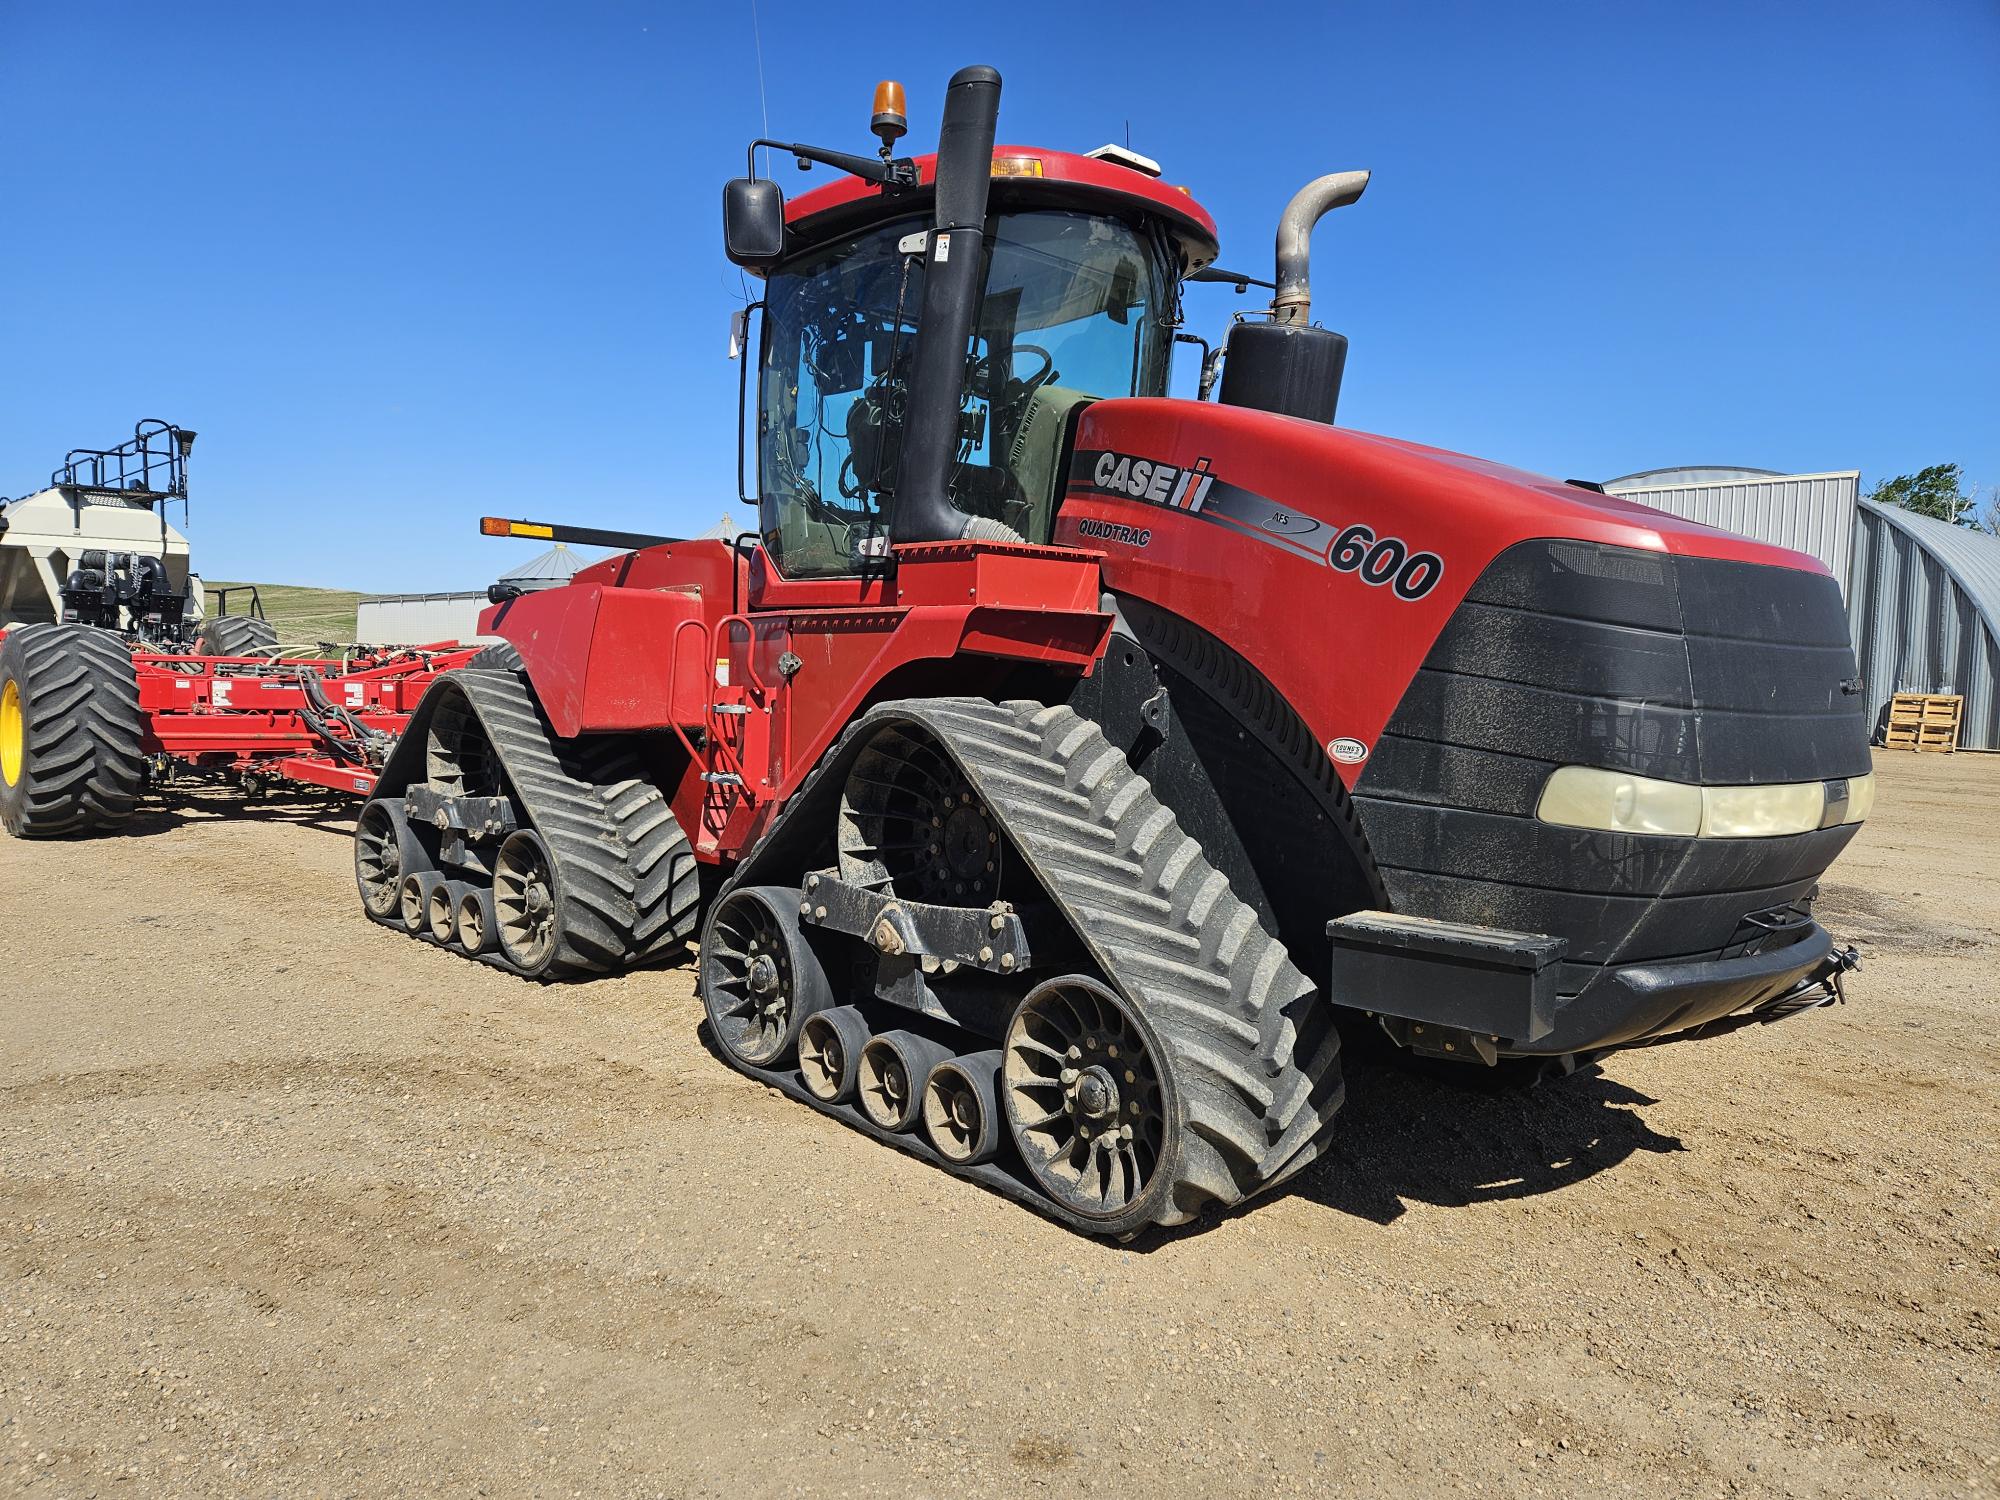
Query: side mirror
x=753 y=222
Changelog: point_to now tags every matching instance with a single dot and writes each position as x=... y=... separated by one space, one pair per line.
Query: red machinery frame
x=251 y=717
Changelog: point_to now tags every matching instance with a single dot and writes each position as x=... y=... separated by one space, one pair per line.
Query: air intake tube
x=957 y=261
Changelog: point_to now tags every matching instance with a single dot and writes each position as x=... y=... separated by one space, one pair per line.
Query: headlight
x=1619 y=802
x=1860 y=798
x=1761 y=812
x=1586 y=797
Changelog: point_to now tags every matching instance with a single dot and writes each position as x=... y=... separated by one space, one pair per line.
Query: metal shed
x=417 y=619
x=1812 y=513
x=1924 y=610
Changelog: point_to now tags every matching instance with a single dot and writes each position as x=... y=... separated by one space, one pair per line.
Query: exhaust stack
x=955 y=262
x=1287 y=365
x=1293 y=303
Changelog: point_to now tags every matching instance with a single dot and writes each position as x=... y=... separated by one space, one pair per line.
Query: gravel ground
x=292 y=1205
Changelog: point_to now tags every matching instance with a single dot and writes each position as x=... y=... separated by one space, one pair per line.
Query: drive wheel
x=527 y=903
x=759 y=979
x=1091 y=1103
x=910 y=822
x=71 y=731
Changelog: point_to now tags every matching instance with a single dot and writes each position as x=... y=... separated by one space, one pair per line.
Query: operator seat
x=1035 y=459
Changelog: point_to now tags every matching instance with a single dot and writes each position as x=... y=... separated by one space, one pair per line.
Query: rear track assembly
x=568 y=858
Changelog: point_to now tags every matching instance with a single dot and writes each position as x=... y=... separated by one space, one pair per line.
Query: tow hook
x=1843 y=960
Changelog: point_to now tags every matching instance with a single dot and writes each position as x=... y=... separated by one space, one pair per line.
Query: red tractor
x=1061 y=768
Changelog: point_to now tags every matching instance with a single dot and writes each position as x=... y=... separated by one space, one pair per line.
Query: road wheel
x=71 y=733
x=235 y=635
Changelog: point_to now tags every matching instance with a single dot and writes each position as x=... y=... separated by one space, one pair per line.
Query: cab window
x=1076 y=306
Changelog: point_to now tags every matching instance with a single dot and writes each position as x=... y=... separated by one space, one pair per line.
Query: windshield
x=1075 y=307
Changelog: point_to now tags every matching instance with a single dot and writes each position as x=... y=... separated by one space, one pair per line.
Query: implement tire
x=235 y=635
x=71 y=734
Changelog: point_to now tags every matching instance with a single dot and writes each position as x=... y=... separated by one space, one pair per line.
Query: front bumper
x=1630 y=1003
x=1476 y=993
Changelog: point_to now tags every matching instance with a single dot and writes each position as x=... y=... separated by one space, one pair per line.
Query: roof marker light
x=1125 y=156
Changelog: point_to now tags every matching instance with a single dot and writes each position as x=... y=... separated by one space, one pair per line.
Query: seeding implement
x=88 y=721
x=115 y=676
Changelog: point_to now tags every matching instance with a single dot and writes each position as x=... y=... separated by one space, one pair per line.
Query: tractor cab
x=1073 y=297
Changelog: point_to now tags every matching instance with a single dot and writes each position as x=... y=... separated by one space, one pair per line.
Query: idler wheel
x=1090 y=1102
x=760 y=979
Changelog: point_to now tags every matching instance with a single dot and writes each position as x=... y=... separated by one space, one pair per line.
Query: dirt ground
x=292 y=1205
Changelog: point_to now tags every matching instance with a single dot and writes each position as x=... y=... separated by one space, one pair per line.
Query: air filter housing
x=1289 y=368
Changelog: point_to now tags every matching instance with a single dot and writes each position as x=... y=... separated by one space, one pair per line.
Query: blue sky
x=405 y=264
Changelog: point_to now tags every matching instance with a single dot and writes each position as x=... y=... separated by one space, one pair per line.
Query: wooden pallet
x=1924 y=721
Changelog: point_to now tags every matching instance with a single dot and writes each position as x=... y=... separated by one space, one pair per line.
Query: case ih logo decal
x=1155 y=483
x=1381 y=561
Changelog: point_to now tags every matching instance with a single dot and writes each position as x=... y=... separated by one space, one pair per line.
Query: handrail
x=129 y=467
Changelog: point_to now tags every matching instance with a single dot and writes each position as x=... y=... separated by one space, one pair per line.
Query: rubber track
x=84 y=765
x=667 y=889
x=625 y=868
x=1162 y=923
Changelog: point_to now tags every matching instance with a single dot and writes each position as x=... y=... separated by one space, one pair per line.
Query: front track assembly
x=977 y=935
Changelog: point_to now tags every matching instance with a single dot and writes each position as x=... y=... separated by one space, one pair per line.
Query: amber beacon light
x=891 y=115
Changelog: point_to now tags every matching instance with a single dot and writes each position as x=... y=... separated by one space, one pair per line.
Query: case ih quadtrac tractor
x=1062 y=767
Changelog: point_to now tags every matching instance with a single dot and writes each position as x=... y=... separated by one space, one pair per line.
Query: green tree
x=1937 y=492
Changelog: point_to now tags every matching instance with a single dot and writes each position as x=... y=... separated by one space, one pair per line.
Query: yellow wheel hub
x=13 y=732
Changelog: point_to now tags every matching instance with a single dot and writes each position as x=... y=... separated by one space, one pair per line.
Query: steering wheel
x=979 y=380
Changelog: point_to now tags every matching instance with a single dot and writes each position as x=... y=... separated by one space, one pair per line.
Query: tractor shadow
x=1406 y=1136
x=163 y=812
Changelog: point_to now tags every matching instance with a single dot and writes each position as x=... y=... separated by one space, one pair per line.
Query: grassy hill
x=303 y=616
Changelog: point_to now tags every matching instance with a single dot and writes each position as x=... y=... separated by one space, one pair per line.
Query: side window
x=837 y=336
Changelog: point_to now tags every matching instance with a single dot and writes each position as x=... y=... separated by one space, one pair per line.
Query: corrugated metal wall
x=416 y=619
x=1925 y=613
x=1807 y=512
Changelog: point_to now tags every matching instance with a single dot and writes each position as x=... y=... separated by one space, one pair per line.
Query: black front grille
x=1569 y=653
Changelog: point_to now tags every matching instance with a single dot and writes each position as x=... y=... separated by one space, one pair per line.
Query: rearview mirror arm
x=894 y=175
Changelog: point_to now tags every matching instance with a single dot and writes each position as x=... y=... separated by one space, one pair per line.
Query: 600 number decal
x=1388 y=559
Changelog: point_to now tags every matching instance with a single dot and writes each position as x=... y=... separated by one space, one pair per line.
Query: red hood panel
x=1504 y=504
x=1330 y=559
